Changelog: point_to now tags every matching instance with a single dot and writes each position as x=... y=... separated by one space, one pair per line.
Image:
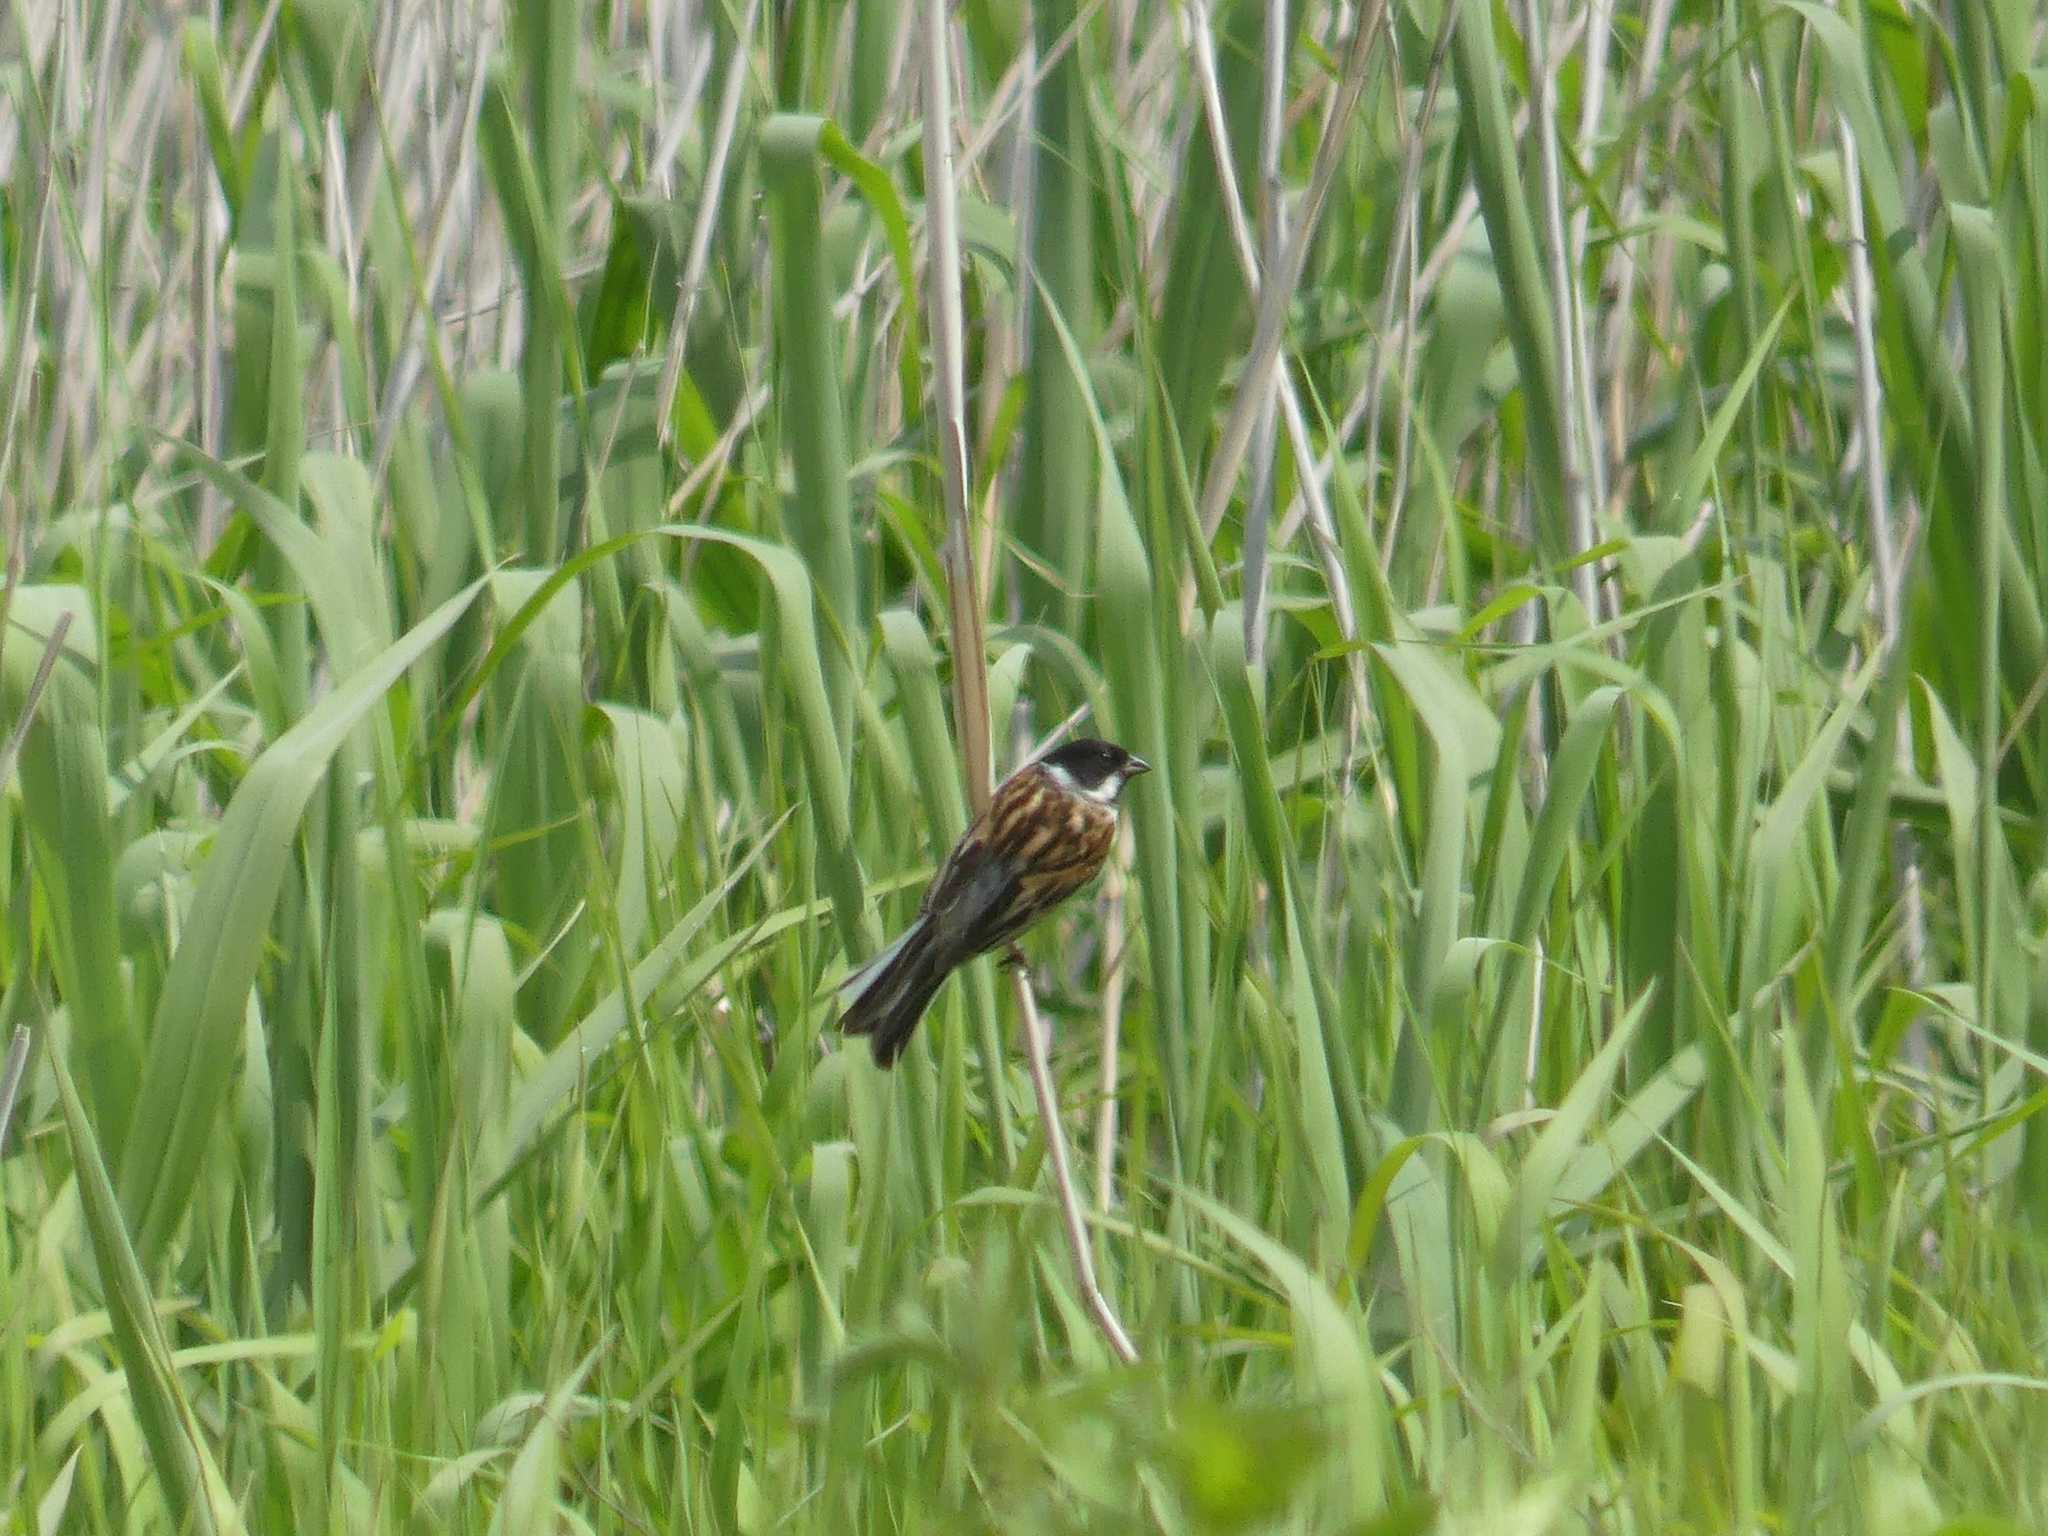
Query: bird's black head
x=1097 y=769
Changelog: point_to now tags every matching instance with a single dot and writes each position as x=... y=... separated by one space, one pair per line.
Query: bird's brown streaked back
x=1044 y=835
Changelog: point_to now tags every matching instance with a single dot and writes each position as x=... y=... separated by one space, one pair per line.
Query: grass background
x=1557 y=491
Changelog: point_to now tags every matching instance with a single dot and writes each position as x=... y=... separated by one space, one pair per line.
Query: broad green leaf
x=191 y=1058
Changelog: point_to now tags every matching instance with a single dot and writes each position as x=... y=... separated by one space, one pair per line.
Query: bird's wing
x=1029 y=851
x=968 y=857
x=971 y=906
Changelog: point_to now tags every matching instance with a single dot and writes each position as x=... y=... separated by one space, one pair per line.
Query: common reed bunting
x=1046 y=831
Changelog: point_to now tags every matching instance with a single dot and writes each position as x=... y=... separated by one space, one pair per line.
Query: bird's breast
x=1038 y=826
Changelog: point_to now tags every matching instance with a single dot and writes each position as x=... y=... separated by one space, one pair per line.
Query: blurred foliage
x=1579 y=990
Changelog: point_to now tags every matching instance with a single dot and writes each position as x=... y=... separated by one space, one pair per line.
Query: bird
x=1044 y=835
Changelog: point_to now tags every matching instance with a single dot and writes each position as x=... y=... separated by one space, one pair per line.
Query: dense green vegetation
x=1558 y=492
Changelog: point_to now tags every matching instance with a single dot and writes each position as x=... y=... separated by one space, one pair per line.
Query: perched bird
x=1046 y=831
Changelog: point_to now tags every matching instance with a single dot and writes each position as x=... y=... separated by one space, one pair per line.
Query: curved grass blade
x=192 y=1486
x=192 y=1042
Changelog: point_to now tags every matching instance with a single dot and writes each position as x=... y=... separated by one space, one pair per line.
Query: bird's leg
x=1013 y=958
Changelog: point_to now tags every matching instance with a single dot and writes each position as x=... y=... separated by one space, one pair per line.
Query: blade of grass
x=191 y=1056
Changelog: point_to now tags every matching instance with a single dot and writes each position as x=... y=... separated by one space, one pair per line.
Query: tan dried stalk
x=964 y=602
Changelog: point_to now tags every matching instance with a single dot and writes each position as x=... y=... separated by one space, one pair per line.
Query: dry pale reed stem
x=23 y=349
x=1592 y=102
x=1112 y=1034
x=1888 y=544
x=1572 y=447
x=1063 y=1175
x=420 y=303
x=970 y=653
x=1621 y=271
x=52 y=649
x=1269 y=288
x=1265 y=437
x=942 y=291
x=1017 y=85
x=709 y=472
x=1270 y=299
x=1408 y=288
x=1280 y=284
x=1398 y=341
x=707 y=218
x=10 y=1079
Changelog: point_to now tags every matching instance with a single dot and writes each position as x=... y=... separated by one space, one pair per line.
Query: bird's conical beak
x=1136 y=766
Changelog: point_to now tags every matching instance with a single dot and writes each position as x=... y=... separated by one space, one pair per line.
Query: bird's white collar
x=1102 y=794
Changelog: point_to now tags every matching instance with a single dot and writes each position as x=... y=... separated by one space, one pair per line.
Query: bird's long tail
x=886 y=997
